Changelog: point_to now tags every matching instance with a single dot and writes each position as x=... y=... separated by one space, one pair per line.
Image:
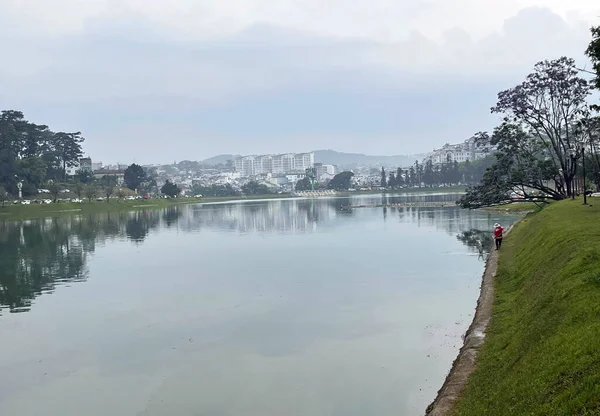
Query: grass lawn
x=541 y=355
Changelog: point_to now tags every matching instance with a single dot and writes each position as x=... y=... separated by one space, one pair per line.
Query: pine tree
x=383 y=177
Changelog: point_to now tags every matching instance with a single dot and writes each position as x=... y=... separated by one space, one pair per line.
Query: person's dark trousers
x=498 y=243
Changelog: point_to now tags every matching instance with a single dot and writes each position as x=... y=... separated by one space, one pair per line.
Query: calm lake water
x=281 y=307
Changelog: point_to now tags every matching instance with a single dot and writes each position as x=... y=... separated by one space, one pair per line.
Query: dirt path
x=464 y=364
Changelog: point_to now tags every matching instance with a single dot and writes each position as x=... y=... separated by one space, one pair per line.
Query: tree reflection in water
x=480 y=241
x=38 y=255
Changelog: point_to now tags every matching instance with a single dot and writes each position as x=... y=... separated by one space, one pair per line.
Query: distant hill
x=215 y=160
x=331 y=157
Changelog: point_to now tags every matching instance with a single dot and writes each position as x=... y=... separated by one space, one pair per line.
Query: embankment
x=541 y=354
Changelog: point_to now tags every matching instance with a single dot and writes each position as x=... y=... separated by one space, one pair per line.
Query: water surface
x=281 y=307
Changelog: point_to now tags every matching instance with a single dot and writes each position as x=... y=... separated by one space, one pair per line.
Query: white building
x=461 y=152
x=277 y=164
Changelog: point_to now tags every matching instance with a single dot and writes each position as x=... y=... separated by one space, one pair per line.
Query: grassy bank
x=541 y=355
x=13 y=212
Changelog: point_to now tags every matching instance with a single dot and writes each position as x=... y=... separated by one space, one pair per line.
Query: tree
x=108 y=190
x=383 y=177
x=67 y=147
x=547 y=106
x=54 y=191
x=135 y=175
x=399 y=178
x=79 y=188
x=91 y=192
x=304 y=184
x=121 y=194
x=593 y=52
x=519 y=168
x=341 y=182
x=392 y=180
x=255 y=188
x=170 y=189
x=109 y=180
x=3 y=196
x=84 y=176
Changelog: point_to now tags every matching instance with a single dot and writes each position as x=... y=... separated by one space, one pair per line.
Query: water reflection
x=479 y=240
x=39 y=255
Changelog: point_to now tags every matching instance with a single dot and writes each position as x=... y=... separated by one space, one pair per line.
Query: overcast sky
x=155 y=80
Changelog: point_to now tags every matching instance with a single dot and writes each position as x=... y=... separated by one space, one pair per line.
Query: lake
x=279 y=307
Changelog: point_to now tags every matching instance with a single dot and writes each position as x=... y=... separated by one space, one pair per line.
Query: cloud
x=275 y=78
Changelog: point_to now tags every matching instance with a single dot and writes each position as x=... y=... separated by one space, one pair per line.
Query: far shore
x=17 y=211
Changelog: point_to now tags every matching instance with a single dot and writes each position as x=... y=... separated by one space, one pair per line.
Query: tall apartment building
x=277 y=164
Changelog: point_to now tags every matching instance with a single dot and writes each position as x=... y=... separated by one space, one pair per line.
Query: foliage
x=84 y=176
x=547 y=106
x=341 y=182
x=520 y=173
x=214 y=190
x=304 y=184
x=79 y=188
x=593 y=52
x=32 y=153
x=3 y=195
x=54 y=191
x=383 y=177
x=170 y=189
x=109 y=180
x=108 y=190
x=91 y=192
x=135 y=175
x=540 y=355
x=255 y=188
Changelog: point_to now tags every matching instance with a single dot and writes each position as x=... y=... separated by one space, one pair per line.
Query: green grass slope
x=542 y=350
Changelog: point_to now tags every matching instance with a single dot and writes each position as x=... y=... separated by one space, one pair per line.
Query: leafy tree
x=108 y=189
x=84 y=176
x=519 y=167
x=383 y=177
x=547 y=106
x=91 y=192
x=170 y=189
x=54 y=191
x=304 y=184
x=214 y=190
x=135 y=175
x=79 y=188
x=593 y=52
x=109 y=180
x=342 y=181
x=67 y=148
x=3 y=196
x=255 y=188
x=32 y=170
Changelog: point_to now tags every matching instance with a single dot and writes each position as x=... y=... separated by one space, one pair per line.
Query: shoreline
x=466 y=360
x=35 y=211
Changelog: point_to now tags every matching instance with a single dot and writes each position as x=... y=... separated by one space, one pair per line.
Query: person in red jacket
x=498 y=230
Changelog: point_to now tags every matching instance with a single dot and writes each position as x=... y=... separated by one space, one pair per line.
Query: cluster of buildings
x=461 y=152
x=275 y=164
x=283 y=170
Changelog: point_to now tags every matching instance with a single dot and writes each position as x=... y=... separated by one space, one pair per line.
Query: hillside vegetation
x=542 y=350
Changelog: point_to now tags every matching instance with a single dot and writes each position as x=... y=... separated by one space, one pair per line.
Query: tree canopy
x=545 y=131
x=342 y=181
x=33 y=154
x=170 y=189
x=135 y=175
